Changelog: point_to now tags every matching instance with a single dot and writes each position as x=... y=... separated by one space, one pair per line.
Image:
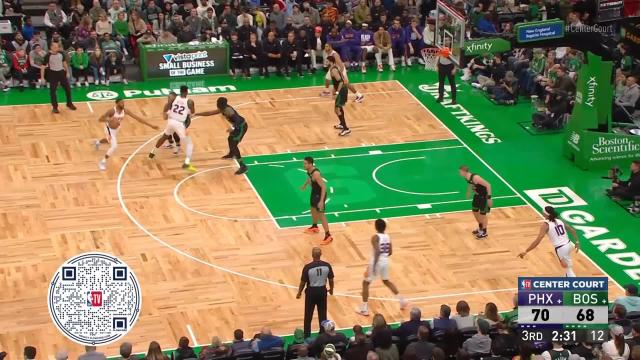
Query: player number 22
x=178 y=109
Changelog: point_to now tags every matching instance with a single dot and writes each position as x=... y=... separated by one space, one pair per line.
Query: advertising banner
x=183 y=60
x=609 y=10
x=490 y=45
x=539 y=30
x=593 y=149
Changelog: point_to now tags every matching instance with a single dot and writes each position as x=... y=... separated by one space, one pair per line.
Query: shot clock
x=562 y=309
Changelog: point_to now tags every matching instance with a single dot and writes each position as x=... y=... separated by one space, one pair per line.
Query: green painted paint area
x=371 y=182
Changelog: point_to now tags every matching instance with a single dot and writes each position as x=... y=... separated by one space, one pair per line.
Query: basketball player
x=175 y=138
x=317 y=201
x=177 y=115
x=236 y=132
x=482 y=202
x=328 y=51
x=379 y=267
x=557 y=231
x=341 y=95
x=112 y=119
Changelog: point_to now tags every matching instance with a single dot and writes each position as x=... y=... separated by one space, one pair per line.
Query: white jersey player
x=328 y=51
x=112 y=119
x=379 y=267
x=178 y=113
x=556 y=230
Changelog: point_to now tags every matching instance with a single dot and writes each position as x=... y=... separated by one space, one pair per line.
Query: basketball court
x=214 y=251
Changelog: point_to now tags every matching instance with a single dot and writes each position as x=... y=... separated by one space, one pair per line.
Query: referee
x=314 y=276
x=55 y=70
x=446 y=69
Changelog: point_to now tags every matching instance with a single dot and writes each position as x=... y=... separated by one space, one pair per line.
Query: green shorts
x=341 y=97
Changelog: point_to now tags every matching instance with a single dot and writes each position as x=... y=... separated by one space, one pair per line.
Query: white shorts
x=175 y=126
x=110 y=134
x=564 y=253
x=367 y=48
x=344 y=75
x=382 y=271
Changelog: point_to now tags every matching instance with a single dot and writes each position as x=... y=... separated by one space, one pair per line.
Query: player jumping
x=177 y=116
x=557 y=231
x=112 y=119
x=236 y=132
x=379 y=267
x=481 y=204
x=317 y=201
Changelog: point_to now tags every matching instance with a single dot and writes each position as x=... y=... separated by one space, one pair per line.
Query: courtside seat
x=467 y=333
x=341 y=348
x=272 y=354
x=245 y=355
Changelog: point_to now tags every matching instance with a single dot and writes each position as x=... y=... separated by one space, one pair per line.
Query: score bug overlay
x=563 y=309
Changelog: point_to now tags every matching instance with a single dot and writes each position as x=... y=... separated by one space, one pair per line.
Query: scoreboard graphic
x=561 y=309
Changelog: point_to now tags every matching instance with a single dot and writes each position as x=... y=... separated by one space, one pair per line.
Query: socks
x=364 y=306
x=314 y=225
x=570 y=272
x=153 y=151
x=189 y=149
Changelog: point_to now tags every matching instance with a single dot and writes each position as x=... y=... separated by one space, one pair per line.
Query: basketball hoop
x=430 y=57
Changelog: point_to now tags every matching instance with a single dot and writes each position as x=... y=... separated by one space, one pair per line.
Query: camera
x=613 y=174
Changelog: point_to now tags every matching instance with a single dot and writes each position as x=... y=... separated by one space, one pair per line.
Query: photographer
x=630 y=189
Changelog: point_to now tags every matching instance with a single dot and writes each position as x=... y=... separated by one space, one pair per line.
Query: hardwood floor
x=55 y=203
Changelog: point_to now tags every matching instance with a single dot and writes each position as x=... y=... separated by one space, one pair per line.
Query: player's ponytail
x=551 y=213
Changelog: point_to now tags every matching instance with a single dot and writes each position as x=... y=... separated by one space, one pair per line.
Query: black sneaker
x=439 y=99
x=242 y=170
x=71 y=107
x=476 y=232
x=227 y=157
x=55 y=111
x=152 y=155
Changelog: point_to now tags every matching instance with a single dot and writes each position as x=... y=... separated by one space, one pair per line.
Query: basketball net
x=430 y=57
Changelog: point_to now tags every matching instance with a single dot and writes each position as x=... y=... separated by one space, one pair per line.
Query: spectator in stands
x=80 y=66
x=27 y=28
x=137 y=28
x=104 y=25
x=5 y=69
x=382 y=41
x=525 y=351
x=114 y=66
x=92 y=354
x=620 y=318
x=209 y=21
x=415 y=42
x=83 y=31
x=20 y=68
x=479 y=343
x=563 y=85
x=442 y=323
x=184 y=10
x=239 y=344
x=366 y=46
x=36 y=60
x=329 y=353
x=126 y=351
x=254 y=55
x=266 y=341
x=147 y=38
x=37 y=39
x=398 y=41
x=155 y=352
x=194 y=22
x=203 y=7
x=292 y=54
x=486 y=25
x=19 y=43
x=628 y=190
x=626 y=103
x=584 y=350
x=359 y=348
x=29 y=353
x=463 y=318
x=556 y=351
x=634 y=340
x=184 y=351
x=350 y=49
x=55 y=20
x=116 y=9
x=635 y=353
x=616 y=348
x=329 y=336
x=297 y=342
x=96 y=10
x=167 y=38
x=479 y=65
x=245 y=29
x=150 y=14
x=96 y=64
x=302 y=353
x=421 y=349
x=236 y=56
x=109 y=45
x=121 y=32
x=381 y=334
x=60 y=355
x=273 y=55
x=411 y=326
x=572 y=62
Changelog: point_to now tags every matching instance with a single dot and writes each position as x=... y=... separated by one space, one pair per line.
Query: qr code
x=94 y=299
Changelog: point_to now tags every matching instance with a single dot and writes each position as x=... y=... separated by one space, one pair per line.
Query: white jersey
x=557 y=233
x=117 y=115
x=384 y=246
x=179 y=110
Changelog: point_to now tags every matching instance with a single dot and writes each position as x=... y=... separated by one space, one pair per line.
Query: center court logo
x=102 y=95
x=94 y=299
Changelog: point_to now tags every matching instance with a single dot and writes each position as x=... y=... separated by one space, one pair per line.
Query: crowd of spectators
x=489 y=335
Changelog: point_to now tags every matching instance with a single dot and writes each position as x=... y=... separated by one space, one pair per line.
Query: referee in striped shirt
x=314 y=277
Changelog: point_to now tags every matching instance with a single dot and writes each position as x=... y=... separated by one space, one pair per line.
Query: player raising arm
x=113 y=117
x=557 y=231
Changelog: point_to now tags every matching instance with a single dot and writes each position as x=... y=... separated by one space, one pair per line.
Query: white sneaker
x=403 y=303
x=86 y=83
x=420 y=61
x=409 y=62
x=96 y=144
x=96 y=82
x=361 y=311
x=359 y=98
x=403 y=63
x=345 y=132
x=379 y=67
x=364 y=69
x=393 y=68
x=106 y=82
x=325 y=93
x=102 y=165
x=125 y=81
